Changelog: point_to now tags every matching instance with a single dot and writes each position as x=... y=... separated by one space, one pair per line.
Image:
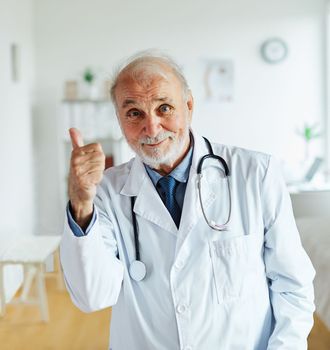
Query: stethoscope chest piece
x=137 y=270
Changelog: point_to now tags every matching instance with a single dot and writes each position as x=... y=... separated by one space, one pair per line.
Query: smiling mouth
x=154 y=144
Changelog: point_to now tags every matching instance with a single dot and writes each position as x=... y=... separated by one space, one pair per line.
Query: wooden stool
x=31 y=252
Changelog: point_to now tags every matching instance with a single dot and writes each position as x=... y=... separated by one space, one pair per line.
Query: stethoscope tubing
x=136 y=231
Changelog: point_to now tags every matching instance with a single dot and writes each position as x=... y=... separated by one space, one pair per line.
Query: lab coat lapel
x=148 y=204
x=191 y=211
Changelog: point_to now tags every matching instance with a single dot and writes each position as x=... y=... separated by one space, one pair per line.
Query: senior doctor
x=136 y=237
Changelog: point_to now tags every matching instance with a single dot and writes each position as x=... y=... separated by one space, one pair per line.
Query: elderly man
x=187 y=262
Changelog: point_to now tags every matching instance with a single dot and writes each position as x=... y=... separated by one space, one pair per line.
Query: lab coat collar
x=135 y=179
x=147 y=204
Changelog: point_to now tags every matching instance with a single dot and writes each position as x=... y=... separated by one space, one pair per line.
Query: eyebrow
x=129 y=102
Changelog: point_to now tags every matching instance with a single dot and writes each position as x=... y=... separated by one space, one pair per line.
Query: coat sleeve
x=92 y=272
x=289 y=270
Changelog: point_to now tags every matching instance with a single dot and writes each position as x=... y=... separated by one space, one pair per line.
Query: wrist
x=82 y=213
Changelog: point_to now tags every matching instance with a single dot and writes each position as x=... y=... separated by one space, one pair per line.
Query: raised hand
x=86 y=172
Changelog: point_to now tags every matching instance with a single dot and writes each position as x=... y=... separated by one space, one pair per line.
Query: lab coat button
x=181 y=308
x=179 y=264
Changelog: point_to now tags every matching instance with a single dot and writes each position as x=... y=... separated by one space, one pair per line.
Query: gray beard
x=156 y=160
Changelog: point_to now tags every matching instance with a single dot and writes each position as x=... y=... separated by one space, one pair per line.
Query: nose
x=152 y=125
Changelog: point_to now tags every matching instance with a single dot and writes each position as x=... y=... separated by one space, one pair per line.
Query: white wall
x=327 y=86
x=271 y=101
x=16 y=175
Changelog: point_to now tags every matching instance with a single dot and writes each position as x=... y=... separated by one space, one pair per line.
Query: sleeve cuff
x=75 y=228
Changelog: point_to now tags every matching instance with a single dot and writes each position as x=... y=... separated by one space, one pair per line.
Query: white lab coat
x=247 y=288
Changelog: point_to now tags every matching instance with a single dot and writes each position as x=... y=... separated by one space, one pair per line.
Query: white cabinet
x=311 y=203
x=97 y=121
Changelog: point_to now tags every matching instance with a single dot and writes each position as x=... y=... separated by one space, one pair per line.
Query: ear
x=190 y=104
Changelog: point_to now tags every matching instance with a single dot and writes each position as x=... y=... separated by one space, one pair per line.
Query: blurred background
x=258 y=70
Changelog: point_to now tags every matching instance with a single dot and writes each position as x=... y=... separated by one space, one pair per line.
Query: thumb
x=76 y=138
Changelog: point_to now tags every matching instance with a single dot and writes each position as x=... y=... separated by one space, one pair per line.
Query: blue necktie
x=168 y=185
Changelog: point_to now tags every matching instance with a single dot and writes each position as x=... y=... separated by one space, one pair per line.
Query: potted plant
x=89 y=79
x=309 y=132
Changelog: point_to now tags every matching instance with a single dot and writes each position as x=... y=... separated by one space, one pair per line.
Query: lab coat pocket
x=229 y=262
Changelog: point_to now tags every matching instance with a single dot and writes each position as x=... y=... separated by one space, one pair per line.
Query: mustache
x=159 y=138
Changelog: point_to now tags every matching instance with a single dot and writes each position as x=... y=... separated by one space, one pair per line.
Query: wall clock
x=274 y=50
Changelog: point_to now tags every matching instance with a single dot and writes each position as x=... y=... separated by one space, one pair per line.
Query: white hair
x=144 y=64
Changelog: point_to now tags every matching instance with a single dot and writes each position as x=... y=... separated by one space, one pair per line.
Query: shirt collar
x=180 y=173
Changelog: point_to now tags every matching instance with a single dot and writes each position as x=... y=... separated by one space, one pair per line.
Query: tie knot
x=167 y=183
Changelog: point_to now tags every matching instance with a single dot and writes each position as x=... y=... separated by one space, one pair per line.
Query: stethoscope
x=137 y=268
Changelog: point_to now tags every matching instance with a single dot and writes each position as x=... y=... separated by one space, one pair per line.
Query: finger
x=76 y=138
x=80 y=158
x=83 y=169
x=90 y=148
x=91 y=177
x=94 y=169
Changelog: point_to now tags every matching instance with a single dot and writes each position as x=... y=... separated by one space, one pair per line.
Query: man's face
x=155 y=117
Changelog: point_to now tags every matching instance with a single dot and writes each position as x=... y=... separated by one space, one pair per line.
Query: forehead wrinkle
x=146 y=82
x=143 y=79
x=129 y=102
x=155 y=94
x=131 y=92
x=134 y=89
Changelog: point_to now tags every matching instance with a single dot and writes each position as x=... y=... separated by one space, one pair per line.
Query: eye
x=165 y=109
x=133 y=113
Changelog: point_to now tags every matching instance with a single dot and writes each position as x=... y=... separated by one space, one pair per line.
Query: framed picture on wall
x=219 y=80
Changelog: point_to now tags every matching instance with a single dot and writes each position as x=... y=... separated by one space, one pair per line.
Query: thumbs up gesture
x=86 y=172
